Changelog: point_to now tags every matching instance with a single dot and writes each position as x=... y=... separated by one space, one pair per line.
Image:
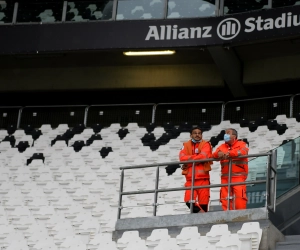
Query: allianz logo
x=227 y=29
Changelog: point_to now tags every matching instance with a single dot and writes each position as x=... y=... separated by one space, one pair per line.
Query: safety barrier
x=270 y=182
x=144 y=113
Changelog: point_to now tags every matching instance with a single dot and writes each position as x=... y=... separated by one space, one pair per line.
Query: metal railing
x=270 y=182
x=218 y=5
x=293 y=101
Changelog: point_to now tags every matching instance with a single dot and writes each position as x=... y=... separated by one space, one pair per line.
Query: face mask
x=194 y=141
x=227 y=137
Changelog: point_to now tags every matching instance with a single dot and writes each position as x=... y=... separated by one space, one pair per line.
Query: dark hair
x=234 y=132
x=196 y=128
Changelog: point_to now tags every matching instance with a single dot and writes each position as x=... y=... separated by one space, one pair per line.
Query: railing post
x=19 y=118
x=192 y=189
x=153 y=113
x=229 y=184
x=15 y=13
x=272 y=180
x=114 y=12
x=86 y=115
x=120 y=194
x=155 y=192
x=64 y=11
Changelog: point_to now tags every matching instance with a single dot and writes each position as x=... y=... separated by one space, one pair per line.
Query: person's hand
x=220 y=155
x=183 y=167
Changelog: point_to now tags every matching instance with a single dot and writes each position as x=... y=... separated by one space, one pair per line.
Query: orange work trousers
x=238 y=194
x=201 y=196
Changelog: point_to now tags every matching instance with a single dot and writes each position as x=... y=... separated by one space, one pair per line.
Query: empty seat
x=250 y=235
x=127 y=237
x=186 y=234
x=281 y=119
x=230 y=241
x=156 y=236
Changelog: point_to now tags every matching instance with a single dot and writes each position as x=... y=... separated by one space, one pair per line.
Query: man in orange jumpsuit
x=196 y=149
x=233 y=148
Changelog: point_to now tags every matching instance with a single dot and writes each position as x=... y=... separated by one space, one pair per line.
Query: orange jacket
x=190 y=151
x=240 y=165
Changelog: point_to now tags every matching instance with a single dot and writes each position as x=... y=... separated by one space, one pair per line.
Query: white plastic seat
x=163 y=150
x=88 y=178
x=62 y=128
x=129 y=137
x=3 y=133
x=97 y=145
x=291 y=133
x=167 y=244
x=127 y=237
x=156 y=236
x=18 y=245
x=281 y=119
x=243 y=132
x=40 y=146
x=250 y=235
x=76 y=137
x=4 y=146
x=59 y=145
x=132 y=127
x=264 y=147
x=71 y=242
x=45 y=128
x=107 y=245
x=87 y=133
x=44 y=213
x=158 y=131
x=175 y=144
x=116 y=145
x=27 y=138
x=187 y=234
x=291 y=122
x=85 y=151
x=114 y=127
x=196 y=242
x=224 y=125
x=140 y=132
x=45 y=243
x=262 y=130
x=136 y=244
x=215 y=233
x=230 y=241
x=19 y=133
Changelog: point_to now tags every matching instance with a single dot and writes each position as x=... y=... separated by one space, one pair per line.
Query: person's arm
x=242 y=150
x=205 y=152
x=219 y=154
x=183 y=155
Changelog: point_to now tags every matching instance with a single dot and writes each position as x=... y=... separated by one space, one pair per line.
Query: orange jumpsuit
x=239 y=174
x=189 y=152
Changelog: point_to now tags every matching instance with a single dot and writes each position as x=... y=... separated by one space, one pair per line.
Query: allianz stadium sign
x=142 y=34
x=227 y=29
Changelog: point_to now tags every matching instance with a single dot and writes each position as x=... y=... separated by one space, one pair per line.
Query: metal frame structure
x=270 y=182
x=152 y=118
x=219 y=11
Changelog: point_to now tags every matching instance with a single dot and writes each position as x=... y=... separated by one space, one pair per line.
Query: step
x=292 y=242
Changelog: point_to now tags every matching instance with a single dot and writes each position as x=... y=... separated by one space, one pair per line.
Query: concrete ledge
x=192 y=219
x=204 y=222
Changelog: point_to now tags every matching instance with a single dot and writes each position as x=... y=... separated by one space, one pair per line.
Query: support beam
x=230 y=68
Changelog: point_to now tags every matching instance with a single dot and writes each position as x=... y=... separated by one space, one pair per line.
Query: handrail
x=271 y=201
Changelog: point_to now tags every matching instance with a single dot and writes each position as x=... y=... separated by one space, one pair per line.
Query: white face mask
x=226 y=137
x=194 y=141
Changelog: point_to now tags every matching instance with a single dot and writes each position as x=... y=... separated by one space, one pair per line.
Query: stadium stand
x=69 y=198
x=86 y=168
